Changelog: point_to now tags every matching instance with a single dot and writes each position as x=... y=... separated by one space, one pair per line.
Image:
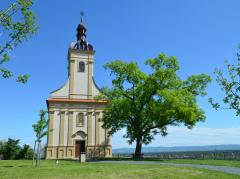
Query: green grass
x=73 y=169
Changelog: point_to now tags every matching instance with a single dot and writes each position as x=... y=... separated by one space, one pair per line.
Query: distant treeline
x=12 y=150
x=214 y=155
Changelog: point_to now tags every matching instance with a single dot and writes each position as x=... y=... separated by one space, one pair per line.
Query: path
x=232 y=170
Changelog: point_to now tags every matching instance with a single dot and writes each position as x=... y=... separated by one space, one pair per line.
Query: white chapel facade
x=73 y=111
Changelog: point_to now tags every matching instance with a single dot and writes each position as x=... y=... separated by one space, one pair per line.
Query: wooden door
x=77 y=149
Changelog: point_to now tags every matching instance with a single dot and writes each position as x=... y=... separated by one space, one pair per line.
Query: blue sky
x=201 y=34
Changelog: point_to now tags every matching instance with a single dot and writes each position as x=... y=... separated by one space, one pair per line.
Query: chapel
x=74 y=112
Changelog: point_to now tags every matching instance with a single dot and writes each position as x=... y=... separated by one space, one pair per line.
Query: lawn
x=73 y=169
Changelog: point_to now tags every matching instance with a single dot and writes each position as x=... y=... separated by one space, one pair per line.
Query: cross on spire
x=82 y=14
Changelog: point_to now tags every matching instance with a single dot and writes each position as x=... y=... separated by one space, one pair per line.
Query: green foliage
x=41 y=130
x=145 y=104
x=11 y=150
x=17 y=23
x=230 y=84
x=22 y=78
x=40 y=126
x=26 y=152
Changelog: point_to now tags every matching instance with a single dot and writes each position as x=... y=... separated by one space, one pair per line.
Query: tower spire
x=81 y=36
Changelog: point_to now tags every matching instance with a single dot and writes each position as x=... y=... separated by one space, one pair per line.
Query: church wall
x=95 y=91
x=62 y=92
x=81 y=80
x=68 y=151
x=55 y=131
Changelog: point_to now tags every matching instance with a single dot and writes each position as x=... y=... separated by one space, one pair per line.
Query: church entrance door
x=79 y=147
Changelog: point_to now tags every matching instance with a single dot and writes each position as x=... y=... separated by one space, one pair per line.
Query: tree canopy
x=230 y=84
x=145 y=104
x=17 y=23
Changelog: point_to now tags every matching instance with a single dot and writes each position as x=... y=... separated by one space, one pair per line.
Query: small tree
x=230 y=84
x=145 y=104
x=17 y=23
x=41 y=130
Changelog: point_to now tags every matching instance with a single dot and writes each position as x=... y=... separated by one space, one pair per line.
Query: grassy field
x=73 y=169
x=230 y=163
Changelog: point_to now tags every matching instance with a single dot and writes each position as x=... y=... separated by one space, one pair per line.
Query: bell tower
x=80 y=84
x=80 y=65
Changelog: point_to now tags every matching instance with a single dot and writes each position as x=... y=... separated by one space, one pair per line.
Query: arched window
x=80 y=119
x=81 y=67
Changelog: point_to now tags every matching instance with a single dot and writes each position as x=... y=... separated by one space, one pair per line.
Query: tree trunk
x=138 y=149
x=39 y=159
x=38 y=147
x=34 y=152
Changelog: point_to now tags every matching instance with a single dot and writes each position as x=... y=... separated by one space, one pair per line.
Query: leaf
x=22 y=78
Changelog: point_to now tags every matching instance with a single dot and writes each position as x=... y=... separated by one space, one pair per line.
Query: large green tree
x=146 y=103
x=229 y=82
x=17 y=23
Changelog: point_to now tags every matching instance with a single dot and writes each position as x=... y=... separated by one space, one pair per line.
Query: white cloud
x=180 y=136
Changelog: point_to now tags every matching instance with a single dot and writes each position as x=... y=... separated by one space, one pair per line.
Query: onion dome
x=81 y=37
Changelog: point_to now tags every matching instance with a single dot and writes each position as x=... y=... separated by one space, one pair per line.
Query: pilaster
x=50 y=128
x=70 y=128
x=90 y=72
x=98 y=129
x=89 y=128
x=71 y=83
x=61 y=135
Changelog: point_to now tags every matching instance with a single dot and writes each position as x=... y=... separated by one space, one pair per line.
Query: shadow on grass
x=11 y=166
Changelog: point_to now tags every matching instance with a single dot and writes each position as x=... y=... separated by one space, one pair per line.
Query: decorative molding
x=80 y=133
